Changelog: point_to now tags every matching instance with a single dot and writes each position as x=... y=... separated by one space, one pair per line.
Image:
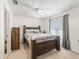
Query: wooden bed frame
x=40 y=48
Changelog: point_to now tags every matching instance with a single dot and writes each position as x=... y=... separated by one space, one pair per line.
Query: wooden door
x=15 y=38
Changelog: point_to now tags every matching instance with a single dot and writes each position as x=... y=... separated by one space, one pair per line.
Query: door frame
x=7 y=31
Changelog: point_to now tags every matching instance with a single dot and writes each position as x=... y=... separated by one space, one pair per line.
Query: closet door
x=15 y=41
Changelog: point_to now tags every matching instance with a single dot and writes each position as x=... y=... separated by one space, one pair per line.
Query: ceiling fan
x=38 y=11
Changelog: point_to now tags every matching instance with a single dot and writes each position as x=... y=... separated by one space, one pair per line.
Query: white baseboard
x=76 y=51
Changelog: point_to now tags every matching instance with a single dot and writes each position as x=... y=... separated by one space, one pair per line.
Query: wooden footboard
x=44 y=47
x=38 y=49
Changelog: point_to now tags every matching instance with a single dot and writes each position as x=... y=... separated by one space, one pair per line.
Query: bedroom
x=23 y=14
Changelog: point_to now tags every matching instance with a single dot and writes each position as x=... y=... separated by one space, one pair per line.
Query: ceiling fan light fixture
x=41 y=12
x=35 y=15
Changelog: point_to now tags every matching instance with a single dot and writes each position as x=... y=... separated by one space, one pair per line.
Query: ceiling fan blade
x=29 y=6
x=25 y=4
x=35 y=10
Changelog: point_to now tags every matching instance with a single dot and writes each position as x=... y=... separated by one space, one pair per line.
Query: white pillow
x=29 y=31
x=36 y=31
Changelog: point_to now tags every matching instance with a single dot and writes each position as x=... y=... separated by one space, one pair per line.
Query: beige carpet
x=23 y=54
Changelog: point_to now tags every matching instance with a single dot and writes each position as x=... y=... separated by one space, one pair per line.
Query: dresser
x=15 y=38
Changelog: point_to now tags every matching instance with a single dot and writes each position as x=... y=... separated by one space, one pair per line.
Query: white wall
x=73 y=26
x=45 y=25
x=20 y=21
x=1 y=31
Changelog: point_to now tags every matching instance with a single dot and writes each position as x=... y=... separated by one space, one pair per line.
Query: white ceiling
x=50 y=7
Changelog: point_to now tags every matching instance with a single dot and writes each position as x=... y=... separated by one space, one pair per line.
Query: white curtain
x=56 y=27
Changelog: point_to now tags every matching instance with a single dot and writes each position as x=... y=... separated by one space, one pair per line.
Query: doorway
x=7 y=44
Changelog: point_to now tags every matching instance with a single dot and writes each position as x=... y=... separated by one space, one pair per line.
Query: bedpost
x=58 y=43
x=24 y=28
x=33 y=49
x=39 y=28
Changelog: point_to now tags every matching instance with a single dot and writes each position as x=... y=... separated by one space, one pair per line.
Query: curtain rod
x=58 y=17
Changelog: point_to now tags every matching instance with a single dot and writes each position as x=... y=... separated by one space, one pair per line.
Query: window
x=56 y=26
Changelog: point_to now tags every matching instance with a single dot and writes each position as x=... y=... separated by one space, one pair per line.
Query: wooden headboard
x=29 y=28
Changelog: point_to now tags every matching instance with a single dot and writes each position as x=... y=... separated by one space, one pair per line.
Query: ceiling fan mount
x=15 y=2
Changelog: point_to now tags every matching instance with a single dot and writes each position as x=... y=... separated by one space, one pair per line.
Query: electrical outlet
x=78 y=40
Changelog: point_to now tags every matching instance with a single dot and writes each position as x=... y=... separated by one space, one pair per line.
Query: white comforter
x=40 y=37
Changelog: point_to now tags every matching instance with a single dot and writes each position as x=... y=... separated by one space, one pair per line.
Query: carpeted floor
x=23 y=53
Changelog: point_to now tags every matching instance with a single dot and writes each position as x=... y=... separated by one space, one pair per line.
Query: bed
x=39 y=43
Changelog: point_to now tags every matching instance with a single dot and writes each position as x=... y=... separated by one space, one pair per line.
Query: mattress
x=40 y=37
